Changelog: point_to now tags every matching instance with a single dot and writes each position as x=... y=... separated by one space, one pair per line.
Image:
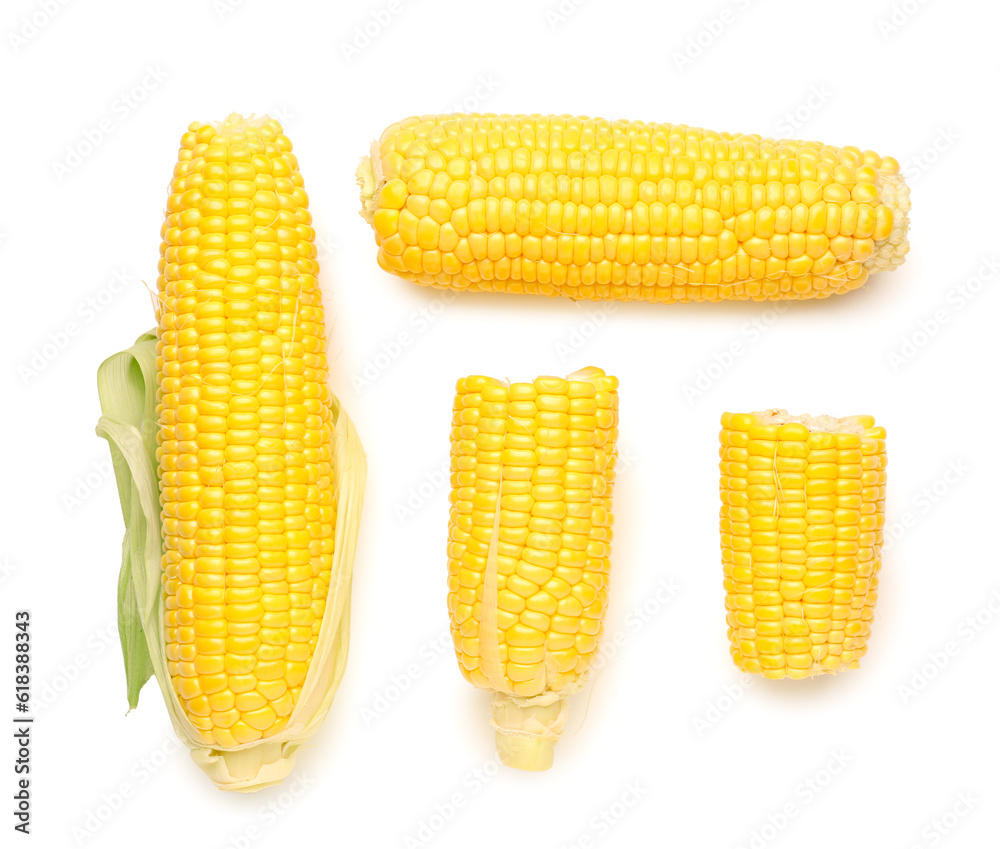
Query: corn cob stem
x=526 y=730
x=249 y=769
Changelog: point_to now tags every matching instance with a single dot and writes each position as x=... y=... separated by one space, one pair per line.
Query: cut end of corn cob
x=803 y=508
x=369 y=182
x=890 y=253
x=529 y=543
x=594 y=209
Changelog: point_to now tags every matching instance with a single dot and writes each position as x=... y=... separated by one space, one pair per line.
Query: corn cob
x=256 y=547
x=803 y=507
x=594 y=209
x=529 y=541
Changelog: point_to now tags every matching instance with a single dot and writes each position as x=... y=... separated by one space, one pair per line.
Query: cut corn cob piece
x=260 y=471
x=595 y=209
x=532 y=470
x=803 y=508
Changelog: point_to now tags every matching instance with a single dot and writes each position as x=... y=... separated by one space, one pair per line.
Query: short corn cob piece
x=533 y=465
x=248 y=432
x=803 y=508
x=595 y=209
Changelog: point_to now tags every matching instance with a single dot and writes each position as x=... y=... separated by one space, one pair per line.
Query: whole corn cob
x=528 y=559
x=803 y=507
x=260 y=472
x=594 y=209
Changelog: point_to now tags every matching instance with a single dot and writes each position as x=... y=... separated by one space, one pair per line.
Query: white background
x=901 y=88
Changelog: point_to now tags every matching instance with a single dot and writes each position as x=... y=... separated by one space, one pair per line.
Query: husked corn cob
x=529 y=542
x=595 y=209
x=803 y=507
x=253 y=454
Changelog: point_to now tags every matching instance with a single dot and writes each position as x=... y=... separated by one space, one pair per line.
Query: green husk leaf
x=138 y=666
x=126 y=384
